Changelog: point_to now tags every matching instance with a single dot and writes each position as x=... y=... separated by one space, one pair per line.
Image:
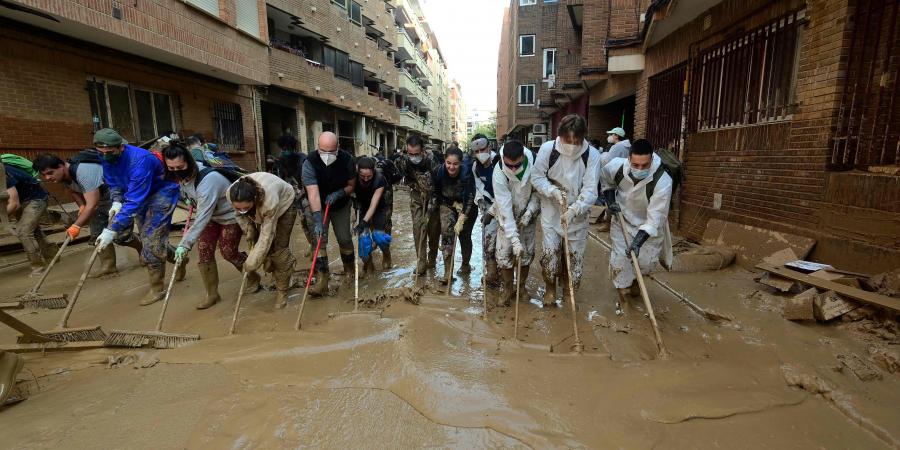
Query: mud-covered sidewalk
x=435 y=374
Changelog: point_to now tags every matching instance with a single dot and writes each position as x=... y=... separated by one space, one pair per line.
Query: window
x=664 y=107
x=527 y=2
x=526 y=45
x=526 y=94
x=228 y=125
x=549 y=62
x=248 y=16
x=341 y=3
x=137 y=114
x=356 y=74
x=748 y=79
x=210 y=6
x=337 y=60
x=355 y=13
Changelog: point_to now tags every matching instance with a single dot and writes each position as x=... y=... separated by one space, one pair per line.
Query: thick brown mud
x=428 y=371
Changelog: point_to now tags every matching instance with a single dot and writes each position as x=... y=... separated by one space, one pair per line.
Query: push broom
x=34 y=299
x=156 y=338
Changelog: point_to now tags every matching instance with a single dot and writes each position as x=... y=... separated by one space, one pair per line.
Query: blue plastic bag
x=369 y=241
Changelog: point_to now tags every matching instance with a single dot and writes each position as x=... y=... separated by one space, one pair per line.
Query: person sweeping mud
x=416 y=166
x=639 y=190
x=454 y=195
x=330 y=177
x=567 y=168
x=27 y=202
x=483 y=167
x=140 y=195
x=83 y=178
x=375 y=203
x=516 y=206
x=289 y=166
x=213 y=223
x=265 y=212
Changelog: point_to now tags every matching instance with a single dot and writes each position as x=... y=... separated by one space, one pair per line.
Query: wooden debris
x=781 y=284
x=871 y=298
x=830 y=305
x=800 y=307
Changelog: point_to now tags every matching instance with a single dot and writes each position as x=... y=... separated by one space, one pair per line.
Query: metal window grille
x=228 y=125
x=868 y=124
x=664 y=107
x=747 y=79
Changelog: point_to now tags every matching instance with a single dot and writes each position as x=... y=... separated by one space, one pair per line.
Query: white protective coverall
x=512 y=200
x=618 y=150
x=639 y=214
x=489 y=230
x=579 y=182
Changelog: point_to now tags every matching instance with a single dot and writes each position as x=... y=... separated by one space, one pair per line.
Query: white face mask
x=568 y=149
x=611 y=139
x=415 y=159
x=483 y=157
x=328 y=158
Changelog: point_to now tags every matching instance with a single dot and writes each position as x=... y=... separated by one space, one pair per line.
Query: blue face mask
x=640 y=174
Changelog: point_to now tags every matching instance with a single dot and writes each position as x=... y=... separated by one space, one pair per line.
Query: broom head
x=155 y=339
x=49 y=301
x=70 y=335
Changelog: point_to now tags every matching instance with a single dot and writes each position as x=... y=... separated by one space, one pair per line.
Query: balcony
x=411 y=121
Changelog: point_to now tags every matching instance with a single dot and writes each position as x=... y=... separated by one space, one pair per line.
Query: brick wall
x=505 y=88
x=774 y=175
x=596 y=27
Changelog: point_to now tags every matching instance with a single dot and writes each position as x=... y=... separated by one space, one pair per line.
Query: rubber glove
x=114 y=209
x=610 y=196
x=525 y=220
x=335 y=196
x=180 y=253
x=638 y=242
x=517 y=247
x=361 y=228
x=569 y=215
x=460 y=223
x=105 y=238
x=318 y=225
x=558 y=196
x=73 y=232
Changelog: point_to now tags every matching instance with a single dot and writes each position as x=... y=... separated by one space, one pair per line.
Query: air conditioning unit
x=539 y=128
x=537 y=141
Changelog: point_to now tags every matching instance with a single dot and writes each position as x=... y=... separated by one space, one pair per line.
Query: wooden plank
x=11 y=305
x=857 y=294
x=22 y=327
x=53 y=346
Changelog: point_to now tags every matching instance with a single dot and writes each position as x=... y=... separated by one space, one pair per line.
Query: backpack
x=554 y=155
x=86 y=156
x=20 y=162
x=670 y=165
x=389 y=170
x=229 y=174
x=219 y=160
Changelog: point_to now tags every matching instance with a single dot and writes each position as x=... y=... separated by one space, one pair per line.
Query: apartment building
x=457 y=113
x=563 y=57
x=242 y=72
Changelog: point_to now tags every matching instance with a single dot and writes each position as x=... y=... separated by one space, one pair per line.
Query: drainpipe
x=260 y=166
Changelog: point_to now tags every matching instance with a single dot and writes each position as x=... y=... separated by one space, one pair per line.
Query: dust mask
x=416 y=159
x=327 y=158
x=611 y=139
x=483 y=157
x=640 y=174
x=568 y=149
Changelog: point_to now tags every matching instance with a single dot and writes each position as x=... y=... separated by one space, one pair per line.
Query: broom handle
x=661 y=348
x=571 y=286
x=312 y=267
x=237 y=306
x=452 y=261
x=52 y=263
x=422 y=233
x=518 y=284
x=165 y=305
x=65 y=317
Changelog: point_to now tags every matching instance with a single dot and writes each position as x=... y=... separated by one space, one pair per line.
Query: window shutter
x=210 y=6
x=248 y=16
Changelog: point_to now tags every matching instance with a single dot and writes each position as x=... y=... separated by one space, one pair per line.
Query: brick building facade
x=242 y=73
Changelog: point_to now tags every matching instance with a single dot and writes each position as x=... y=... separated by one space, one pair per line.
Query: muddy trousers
x=28 y=231
x=505 y=257
x=448 y=221
x=553 y=263
x=306 y=220
x=153 y=221
x=279 y=260
x=98 y=222
x=429 y=224
x=339 y=219
x=489 y=233
x=620 y=268
x=227 y=238
x=381 y=221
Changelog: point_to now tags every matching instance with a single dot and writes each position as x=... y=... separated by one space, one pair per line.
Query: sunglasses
x=513 y=166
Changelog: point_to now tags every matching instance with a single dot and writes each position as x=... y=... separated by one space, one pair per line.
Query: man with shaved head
x=329 y=178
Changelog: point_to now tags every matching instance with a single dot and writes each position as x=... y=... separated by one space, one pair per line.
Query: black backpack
x=86 y=156
x=554 y=155
x=229 y=174
x=389 y=170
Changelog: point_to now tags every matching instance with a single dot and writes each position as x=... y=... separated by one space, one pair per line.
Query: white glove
x=105 y=238
x=525 y=220
x=558 y=196
x=116 y=207
x=569 y=215
x=517 y=248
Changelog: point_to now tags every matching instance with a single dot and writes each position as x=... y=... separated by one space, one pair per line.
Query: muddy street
x=435 y=374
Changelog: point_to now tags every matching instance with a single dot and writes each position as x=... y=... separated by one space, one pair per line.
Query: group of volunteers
x=126 y=195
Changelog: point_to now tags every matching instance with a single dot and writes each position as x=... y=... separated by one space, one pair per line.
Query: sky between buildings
x=468 y=32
